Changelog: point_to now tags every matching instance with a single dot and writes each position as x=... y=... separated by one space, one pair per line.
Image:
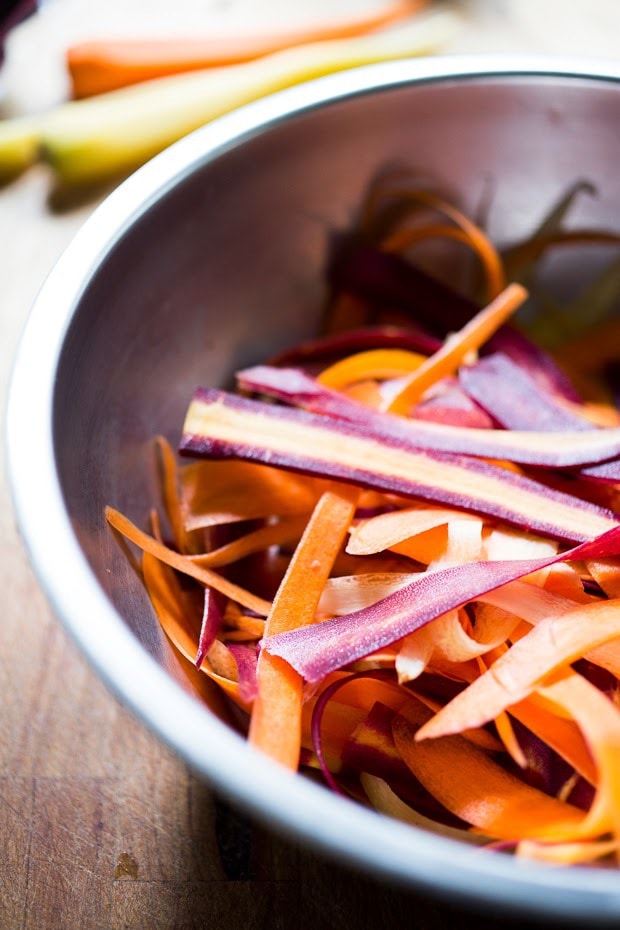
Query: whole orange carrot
x=98 y=66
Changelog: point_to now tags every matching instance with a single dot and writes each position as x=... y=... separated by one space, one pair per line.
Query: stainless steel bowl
x=210 y=258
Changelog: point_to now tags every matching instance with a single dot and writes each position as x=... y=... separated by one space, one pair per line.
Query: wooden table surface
x=101 y=827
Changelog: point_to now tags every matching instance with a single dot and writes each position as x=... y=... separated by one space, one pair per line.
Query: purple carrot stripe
x=222 y=425
x=514 y=398
x=315 y=651
x=517 y=401
x=246 y=657
x=576 y=446
x=532 y=358
x=211 y=623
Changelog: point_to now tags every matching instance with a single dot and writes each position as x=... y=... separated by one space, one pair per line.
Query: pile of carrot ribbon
x=395 y=548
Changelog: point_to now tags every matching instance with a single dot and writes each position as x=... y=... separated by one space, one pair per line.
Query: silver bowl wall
x=209 y=258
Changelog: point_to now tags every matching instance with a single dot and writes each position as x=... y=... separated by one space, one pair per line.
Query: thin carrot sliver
x=183 y=564
x=273 y=534
x=560 y=733
x=173 y=614
x=275 y=725
x=402 y=239
x=387 y=802
x=170 y=606
x=170 y=483
x=507 y=735
x=447 y=359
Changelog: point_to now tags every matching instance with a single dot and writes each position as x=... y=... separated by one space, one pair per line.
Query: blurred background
x=101 y=828
x=34 y=75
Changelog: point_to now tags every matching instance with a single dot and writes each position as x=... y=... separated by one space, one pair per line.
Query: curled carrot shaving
x=403 y=239
x=471 y=785
x=554 y=643
x=472 y=232
x=599 y=720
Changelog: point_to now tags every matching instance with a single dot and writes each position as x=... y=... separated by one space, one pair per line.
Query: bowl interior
x=224 y=264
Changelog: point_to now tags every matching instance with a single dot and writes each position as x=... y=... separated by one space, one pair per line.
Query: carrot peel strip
x=568 y=447
x=275 y=725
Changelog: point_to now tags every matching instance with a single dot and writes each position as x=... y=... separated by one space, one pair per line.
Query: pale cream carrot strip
x=453 y=642
x=580 y=853
x=505 y=542
x=552 y=644
x=345 y=593
x=386 y=801
x=492 y=625
x=463 y=544
x=275 y=724
x=374 y=534
x=455 y=349
x=415 y=653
